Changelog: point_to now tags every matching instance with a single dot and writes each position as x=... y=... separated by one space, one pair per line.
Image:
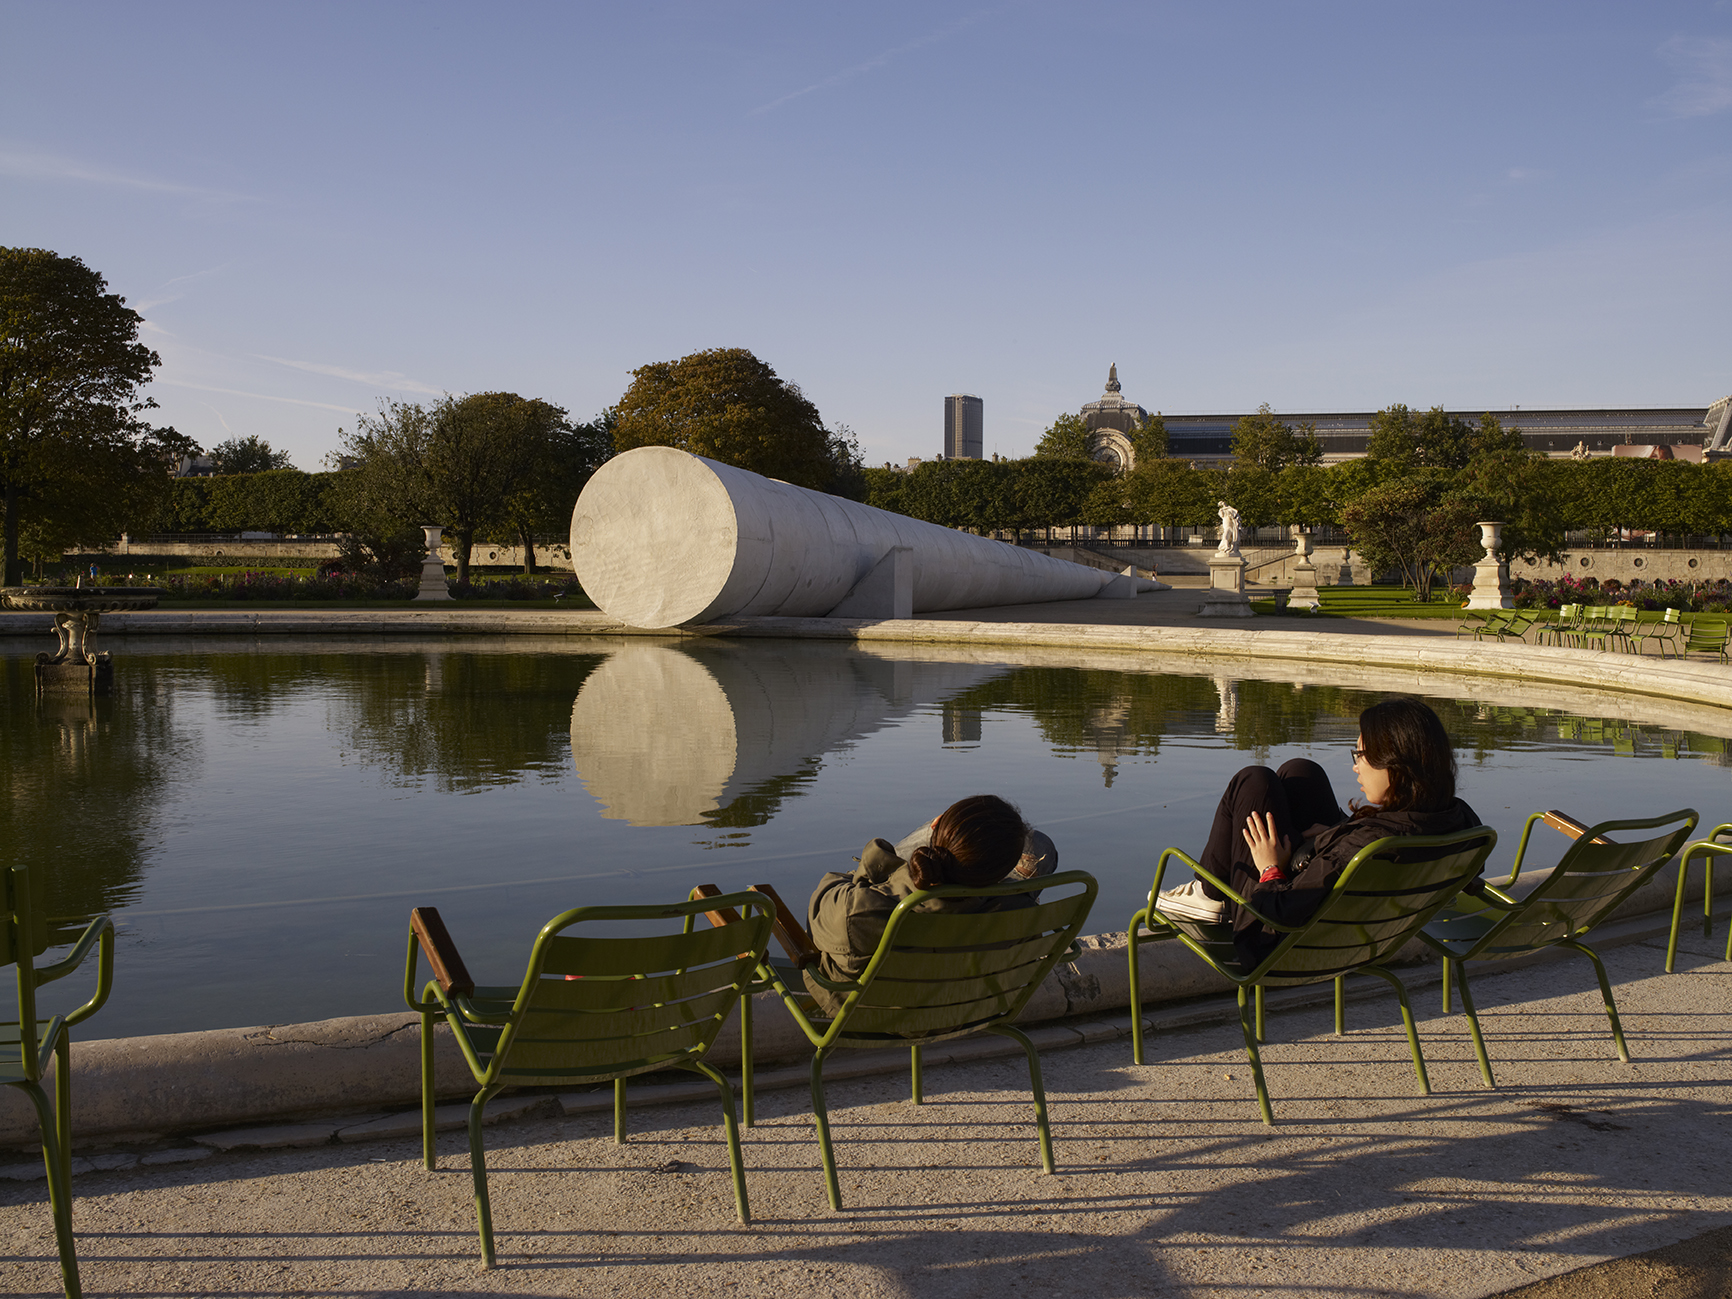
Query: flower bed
x=1705 y=596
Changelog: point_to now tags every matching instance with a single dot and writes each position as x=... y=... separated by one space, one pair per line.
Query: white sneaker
x=1189 y=902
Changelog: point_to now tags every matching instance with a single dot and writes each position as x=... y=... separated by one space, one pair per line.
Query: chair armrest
x=790 y=933
x=1564 y=823
x=99 y=932
x=448 y=968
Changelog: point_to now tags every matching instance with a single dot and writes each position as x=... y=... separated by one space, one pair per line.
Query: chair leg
x=821 y=1120
x=914 y=1070
x=1447 y=963
x=478 y=1173
x=63 y=1114
x=1340 y=1006
x=59 y=1187
x=1261 y=1035
x=1136 y=995
x=1678 y=910
x=428 y=1155
x=1605 y=995
x=1472 y=1021
x=619 y=1111
x=746 y=1059
x=741 y=1205
x=1407 y=1023
x=1256 y=1060
x=1041 y=1126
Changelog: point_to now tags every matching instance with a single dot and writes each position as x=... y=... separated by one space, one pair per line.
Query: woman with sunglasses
x=1280 y=839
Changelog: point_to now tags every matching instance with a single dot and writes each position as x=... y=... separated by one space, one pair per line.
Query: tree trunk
x=465 y=542
x=528 y=551
x=14 y=572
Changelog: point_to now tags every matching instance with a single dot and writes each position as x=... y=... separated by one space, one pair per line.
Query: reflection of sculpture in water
x=1229 y=544
x=718 y=735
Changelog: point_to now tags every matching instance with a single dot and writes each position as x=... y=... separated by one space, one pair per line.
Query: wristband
x=1271 y=875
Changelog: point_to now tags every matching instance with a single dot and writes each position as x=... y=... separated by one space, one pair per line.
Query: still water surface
x=261 y=817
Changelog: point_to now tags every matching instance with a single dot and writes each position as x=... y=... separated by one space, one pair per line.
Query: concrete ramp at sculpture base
x=661 y=538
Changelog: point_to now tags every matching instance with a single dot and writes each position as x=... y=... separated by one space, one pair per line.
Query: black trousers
x=1299 y=795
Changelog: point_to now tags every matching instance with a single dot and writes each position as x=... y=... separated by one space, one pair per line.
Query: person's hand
x=1266 y=850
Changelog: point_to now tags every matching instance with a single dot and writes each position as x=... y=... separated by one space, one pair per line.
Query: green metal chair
x=26 y=1045
x=1382 y=898
x=1705 y=636
x=1663 y=633
x=1707 y=848
x=1563 y=630
x=589 y=1009
x=1520 y=620
x=1594 y=875
x=936 y=976
x=1483 y=623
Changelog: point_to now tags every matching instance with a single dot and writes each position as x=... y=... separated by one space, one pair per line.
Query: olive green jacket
x=849 y=912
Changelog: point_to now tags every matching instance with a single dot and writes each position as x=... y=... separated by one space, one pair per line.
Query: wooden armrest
x=726 y=916
x=790 y=933
x=441 y=952
x=1564 y=823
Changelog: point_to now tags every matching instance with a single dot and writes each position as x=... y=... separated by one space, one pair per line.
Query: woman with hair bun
x=979 y=841
x=1280 y=839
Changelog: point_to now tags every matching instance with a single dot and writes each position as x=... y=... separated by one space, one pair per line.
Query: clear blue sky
x=1323 y=206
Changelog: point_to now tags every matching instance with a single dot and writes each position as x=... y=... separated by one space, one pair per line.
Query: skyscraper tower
x=964 y=427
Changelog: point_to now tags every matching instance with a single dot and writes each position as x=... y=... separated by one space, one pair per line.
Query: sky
x=1322 y=206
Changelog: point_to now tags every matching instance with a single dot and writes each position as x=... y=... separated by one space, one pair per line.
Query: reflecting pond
x=260 y=816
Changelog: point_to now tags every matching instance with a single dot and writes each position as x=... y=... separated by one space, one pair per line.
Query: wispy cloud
x=1704 y=68
x=161 y=293
x=256 y=396
x=47 y=166
x=871 y=64
x=389 y=379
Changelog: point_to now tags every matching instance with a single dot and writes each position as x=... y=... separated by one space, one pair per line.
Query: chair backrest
x=1594 y=875
x=941 y=974
x=1672 y=616
x=1382 y=899
x=1706 y=636
x=598 y=1007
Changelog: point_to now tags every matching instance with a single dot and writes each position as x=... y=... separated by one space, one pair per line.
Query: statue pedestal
x=92 y=677
x=433 y=584
x=1226 y=598
x=1304 y=592
x=1491 y=584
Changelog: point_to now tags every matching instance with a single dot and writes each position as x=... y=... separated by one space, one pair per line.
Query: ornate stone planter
x=76 y=667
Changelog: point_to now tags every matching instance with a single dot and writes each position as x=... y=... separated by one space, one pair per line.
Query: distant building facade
x=1111 y=420
x=1675 y=432
x=964 y=427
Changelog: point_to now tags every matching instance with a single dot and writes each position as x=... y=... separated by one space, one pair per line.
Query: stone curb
x=287 y=1078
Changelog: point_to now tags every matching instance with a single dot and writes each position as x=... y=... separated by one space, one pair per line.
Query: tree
x=728 y=405
x=76 y=460
x=569 y=455
x=248 y=455
x=1066 y=439
x=1149 y=441
x=1400 y=443
x=1265 y=442
x=1492 y=437
x=1417 y=525
x=457 y=463
x=1174 y=493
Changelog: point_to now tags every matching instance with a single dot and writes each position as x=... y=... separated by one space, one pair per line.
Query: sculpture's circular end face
x=653 y=537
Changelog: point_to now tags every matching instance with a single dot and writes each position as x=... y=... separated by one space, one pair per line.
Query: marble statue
x=1229 y=544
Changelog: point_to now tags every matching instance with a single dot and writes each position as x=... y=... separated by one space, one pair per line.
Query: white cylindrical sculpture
x=661 y=537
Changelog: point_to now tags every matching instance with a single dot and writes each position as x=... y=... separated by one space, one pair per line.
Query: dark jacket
x=1292 y=901
x=849 y=912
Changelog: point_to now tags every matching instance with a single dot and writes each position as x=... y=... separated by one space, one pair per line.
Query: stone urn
x=1491 y=584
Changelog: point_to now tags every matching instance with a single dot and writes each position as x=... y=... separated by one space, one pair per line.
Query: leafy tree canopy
x=1417 y=524
x=1263 y=441
x=248 y=455
x=1066 y=439
x=1402 y=442
x=1149 y=442
x=77 y=463
x=728 y=405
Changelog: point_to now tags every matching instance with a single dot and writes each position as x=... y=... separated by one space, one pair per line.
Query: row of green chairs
x=1501 y=624
x=1399 y=889
x=1619 y=627
x=594 y=1009
x=605 y=1007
